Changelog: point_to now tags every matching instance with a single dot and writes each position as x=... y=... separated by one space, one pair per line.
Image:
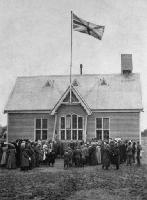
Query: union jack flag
x=89 y=28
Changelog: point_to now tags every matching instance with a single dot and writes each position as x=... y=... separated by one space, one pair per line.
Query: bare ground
x=89 y=183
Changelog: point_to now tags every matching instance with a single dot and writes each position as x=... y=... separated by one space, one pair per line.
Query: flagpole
x=71 y=53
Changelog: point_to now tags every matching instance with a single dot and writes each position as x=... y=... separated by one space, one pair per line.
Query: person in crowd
x=84 y=152
x=98 y=154
x=31 y=152
x=78 y=155
x=115 y=154
x=129 y=154
x=120 y=147
x=36 y=150
x=41 y=153
x=123 y=152
x=92 y=154
x=70 y=152
x=4 y=155
x=18 y=153
x=66 y=159
x=50 y=157
x=11 y=160
x=139 y=148
x=106 y=156
x=45 y=151
x=54 y=147
x=102 y=150
x=25 y=164
x=133 y=151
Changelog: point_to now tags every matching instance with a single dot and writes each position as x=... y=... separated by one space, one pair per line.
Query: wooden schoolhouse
x=98 y=106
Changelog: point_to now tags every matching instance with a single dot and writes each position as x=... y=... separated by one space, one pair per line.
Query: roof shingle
x=100 y=91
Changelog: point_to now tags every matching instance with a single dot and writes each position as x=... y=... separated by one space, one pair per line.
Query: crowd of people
x=104 y=153
x=26 y=155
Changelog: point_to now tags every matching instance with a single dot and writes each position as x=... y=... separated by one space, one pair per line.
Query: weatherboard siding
x=22 y=125
x=122 y=125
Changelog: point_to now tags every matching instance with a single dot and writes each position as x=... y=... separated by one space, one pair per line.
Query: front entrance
x=71 y=127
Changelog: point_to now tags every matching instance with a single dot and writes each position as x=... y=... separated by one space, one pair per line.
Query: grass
x=76 y=183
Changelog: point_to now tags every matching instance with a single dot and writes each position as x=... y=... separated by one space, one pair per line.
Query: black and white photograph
x=73 y=99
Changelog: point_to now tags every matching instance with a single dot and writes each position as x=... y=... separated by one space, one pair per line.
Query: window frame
x=102 y=129
x=72 y=129
x=41 y=129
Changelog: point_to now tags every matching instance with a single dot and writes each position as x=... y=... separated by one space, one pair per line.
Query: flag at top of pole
x=89 y=28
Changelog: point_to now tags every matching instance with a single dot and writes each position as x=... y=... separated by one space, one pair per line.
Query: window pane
x=99 y=123
x=68 y=121
x=68 y=134
x=80 y=122
x=38 y=135
x=44 y=134
x=80 y=134
x=62 y=122
x=74 y=98
x=106 y=134
x=62 y=135
x=44 y=123
x=74 y=134
x=106 y=123
x=38 y=123
x=98 y=134
x=74 y=121
x=67 y=98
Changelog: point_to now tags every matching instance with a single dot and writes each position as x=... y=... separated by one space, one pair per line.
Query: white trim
x=80 y=99
x=53 y=138
x=28 y=111
x=35 y=129
x=7 y=128
x=109 y=127
x=73 y=103
x=77 y=103
x=116 y=110
x=139 y=130
x=85 y=131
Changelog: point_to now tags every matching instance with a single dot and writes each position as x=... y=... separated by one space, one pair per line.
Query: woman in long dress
x=11 y=161
x=4 y=156
x=24 y=159
x=98 y=154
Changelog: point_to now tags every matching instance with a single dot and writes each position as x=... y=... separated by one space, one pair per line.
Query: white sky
x=35 y=40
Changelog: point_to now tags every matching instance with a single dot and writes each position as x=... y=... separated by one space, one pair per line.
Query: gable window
x=40 y=129
x=73 y=98
x=71 y=127
x=102 y=128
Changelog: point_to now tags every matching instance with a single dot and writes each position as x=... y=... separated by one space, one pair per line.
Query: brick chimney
x=126 y=64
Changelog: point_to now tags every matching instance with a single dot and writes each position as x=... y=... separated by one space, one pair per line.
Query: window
x=41 y=129
x=102 y=128
x=71 y=127
x=74 y=99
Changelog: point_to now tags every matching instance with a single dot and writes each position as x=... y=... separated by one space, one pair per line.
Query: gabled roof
x=108 y=91
x=79 y=100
